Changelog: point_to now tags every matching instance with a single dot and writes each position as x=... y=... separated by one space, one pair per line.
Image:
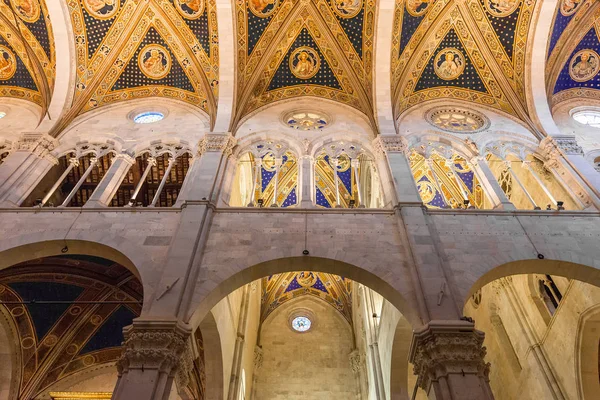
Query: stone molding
x=552 y=147
x=186 y=365
x=258 y=358
x=385 y=144
x=442 y=348
x=213 y=142
x=155 y=345
x=35 y=143
x=355 y=361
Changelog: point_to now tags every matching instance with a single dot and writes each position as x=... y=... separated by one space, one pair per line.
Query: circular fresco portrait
x=28 y=10
x=154 y=61
x=501 y=8
x=306 y=278
x=101 y=9
x=568 y=7
x=347 y=8
x=343 y=163
x=417 y=8
x=584 y=65
x=426 y=190
x=449 y=64
x=8 y=63
x=263 y=8
x=304 y=62
x=190 y=9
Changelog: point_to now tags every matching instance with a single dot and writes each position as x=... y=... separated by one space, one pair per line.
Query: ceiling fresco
x=289 y=48
x=60 y=338
x=472 y=50
x=132 y=49
x=281 y=288
x=27 y=53
x=574 y=61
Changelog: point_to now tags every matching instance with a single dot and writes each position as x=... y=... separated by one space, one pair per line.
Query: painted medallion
x=306 y=278
x=501 y=8
x=154 y=61
x=263 y=8
x=8 y=63
x=101 y=9
x=417 y=8
x=190 y=9
x=28 y=10
x=449 y=63
x=343 y=163
x=347 y=8
x=426 y=190
x=584 y=65
x=568 y=7
x=304 y=62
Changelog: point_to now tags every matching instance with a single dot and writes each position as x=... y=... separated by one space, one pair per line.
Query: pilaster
x=394 y=149
x=152 y=356
x=448 y=358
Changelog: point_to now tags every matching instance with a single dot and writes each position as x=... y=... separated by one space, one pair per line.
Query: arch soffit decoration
x=271 y=39
x=424 y=31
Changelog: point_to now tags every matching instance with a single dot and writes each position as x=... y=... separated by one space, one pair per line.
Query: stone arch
x=9 y=351
x=23 y=248
x=206 y=298
x=213 y=358
x=587 y=353
x=400 y=371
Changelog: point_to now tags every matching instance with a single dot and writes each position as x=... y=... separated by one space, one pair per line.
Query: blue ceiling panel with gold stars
x=14 y=72
x=319 y=48
x=468 y=78
x=201 y=20
x=69 y=312
x=410 y=23
x=281 y=288
x=560 y=23
x=504 y=26
x=98 y=23
x=582 y=67
x=285 y=76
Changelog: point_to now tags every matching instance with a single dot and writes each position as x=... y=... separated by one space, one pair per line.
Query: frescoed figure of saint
x=502 y=8
x=263 y=8
x=584 y=65
x=101 y=9
x=417 y=7
x=154 y=61
x=304 y=62
x=191 y=9
x=8 y=64
x=568 y=7
x=449 y=64
x=28 y=10
x=347 y=8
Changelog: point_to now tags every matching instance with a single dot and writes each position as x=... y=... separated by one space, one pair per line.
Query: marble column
x=448 y=359
x=153 y=352
x=305 y=181
x=490 y=184
x=111 y=181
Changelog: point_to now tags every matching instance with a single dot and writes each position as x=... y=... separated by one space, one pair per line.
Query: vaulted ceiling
x=471 y=50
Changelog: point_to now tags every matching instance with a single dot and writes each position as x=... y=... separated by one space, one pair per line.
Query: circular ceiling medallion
x=568 y=7
x=190 y=9
x=101 y=9
x=154 y=61
x=457 y=120
x=306 y=120
x=426 y=190
x=416 y=8
x=347 y=8
x=28 y=10
x=306 y=278
x=449 y=63
x=301 y=324
x=584 y=65
x=8 y=63
x=263 y=8
x=304 y=62
x=501 y=8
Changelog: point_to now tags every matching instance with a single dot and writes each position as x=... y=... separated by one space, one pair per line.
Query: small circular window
x=148 y=117
x=2 y=114
x=587 y=117
x=301 y=324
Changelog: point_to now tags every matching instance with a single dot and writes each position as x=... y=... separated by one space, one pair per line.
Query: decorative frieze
x=385 y=144
x=552 y=147
x=212 y=142
x=35 y=143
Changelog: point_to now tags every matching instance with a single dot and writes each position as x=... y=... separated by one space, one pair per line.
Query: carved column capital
x=35 y=143
x=212 y=142
x=355 y=361
x=384 y=144
x=157 y=345
x=258 y=358
x=552 y=147
x=446 y=348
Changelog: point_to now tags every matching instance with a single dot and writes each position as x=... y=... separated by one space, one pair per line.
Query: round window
x=148 y=117
x=2 y=114
x=588 y=117
x=301 y=324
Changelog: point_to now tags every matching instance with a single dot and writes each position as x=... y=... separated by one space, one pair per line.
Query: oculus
x=457 y=120
x=148 y=117
x=568 y=7
x=501 y=8
x=587 y=117
x=263 y=8
x=306 y=121
x=8 y=63
x=28 y=10
x=417 y=8
x=301 y=324
x=190 y=9
x=154 y=61
x=101 y=9
x=449 y=64
x=584 y=65
x=2 y=115
x=347 y=8
x=304 y=62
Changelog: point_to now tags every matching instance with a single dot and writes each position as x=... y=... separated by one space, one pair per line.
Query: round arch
x=587 y=353
x=9 y=351
x=201 y=306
